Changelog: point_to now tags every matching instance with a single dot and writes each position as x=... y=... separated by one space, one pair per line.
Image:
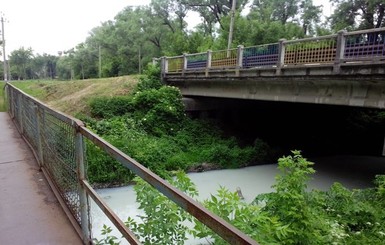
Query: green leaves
x=162 y=221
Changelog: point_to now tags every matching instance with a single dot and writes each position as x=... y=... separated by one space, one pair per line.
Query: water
x=351 y=171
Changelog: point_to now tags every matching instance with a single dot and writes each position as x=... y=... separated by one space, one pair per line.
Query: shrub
x=151 y=80
x=105 y=107
x=163 y=222
x=160 y=111
x=103 y=169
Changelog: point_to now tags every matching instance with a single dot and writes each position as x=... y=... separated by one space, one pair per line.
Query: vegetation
x=150 y=125
x=289 y=215
x=138 y=34
x=72 y=97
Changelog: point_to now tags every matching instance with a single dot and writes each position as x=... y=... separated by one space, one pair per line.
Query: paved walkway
x=29 y=211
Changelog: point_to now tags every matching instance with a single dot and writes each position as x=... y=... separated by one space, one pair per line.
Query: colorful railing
x=333 y=50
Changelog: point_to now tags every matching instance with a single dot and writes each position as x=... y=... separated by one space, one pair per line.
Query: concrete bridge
x=347 y=68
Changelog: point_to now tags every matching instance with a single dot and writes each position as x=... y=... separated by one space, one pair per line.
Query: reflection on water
x=350 y=171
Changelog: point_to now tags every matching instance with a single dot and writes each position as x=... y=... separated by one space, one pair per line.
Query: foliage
x=361 y=14
x=150 y=80
x=105 y=107
x=290 y=215
x=104 y=169
x=150 y=125
x=161 y=111
x=20 y=61
x=246 y=217
x=162 y=221
x=107 y=239
x=136 y=35
x=290 y=203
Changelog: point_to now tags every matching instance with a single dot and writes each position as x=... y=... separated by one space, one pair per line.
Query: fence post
x=83 y=198
x=239 y=59
x=164 y=66
x=339 y=52
x=39 y=146
x=20 y=113
x=154 y=61
x=184 y=68
x=281 y=56
x=208 y=65
x=7 y=94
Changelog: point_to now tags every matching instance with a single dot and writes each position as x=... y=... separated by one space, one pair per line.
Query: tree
x=276 y=10
x=213 y=12
x=20 y=61
x=64 y=67
x=309 y=16
x=44 y=66
x=303 y=13
x=360 y=14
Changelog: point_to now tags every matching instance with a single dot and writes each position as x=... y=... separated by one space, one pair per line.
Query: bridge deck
x=29 y=211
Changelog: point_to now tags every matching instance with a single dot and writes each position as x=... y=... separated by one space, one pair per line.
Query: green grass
x=71 y=97
x=2 y=102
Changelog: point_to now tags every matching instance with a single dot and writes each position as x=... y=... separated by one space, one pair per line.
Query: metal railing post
x=20 y=113
x=8 y=100
x=339 y=52
x=208 y=65
x=83 y=198
x=39 y=146
x=281 y=56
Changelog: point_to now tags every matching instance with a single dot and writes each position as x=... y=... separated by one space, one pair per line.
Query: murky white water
x=351 y=171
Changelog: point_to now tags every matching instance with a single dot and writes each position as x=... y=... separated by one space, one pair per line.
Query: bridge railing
x=317 y=50
x=334 y=50
x=58 y=143
x=364 y=45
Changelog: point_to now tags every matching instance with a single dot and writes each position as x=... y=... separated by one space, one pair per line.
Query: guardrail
x=332 y=50
x=58 y=142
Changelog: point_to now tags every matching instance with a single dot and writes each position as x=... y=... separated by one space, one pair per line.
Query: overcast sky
x=49 y=26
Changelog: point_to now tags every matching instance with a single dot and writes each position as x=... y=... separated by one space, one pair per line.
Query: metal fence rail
x=58 y=142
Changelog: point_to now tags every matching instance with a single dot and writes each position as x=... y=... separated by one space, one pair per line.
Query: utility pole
x=231 y=24
x=4 y=56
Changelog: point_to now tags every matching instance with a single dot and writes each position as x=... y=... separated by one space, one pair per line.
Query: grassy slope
x=71 y=97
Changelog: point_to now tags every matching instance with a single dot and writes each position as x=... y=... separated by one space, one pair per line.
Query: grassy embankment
x=72 y=97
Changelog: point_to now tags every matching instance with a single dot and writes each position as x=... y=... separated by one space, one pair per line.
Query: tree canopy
x=127 y=43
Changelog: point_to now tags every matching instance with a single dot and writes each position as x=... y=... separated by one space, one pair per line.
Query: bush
x=151 y=80
x=160 y=111
x=105 y=107
x=103 y=169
